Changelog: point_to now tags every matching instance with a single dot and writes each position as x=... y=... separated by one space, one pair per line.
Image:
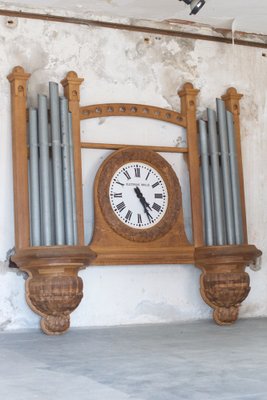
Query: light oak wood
x=53 y=288
x=114 y=146
x=188 y=96
x=224 y=284
x=132 y=110
x=18 y=80
x=116 y=243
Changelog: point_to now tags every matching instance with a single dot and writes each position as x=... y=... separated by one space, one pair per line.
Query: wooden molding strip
x=134 y=28
x=112 y=146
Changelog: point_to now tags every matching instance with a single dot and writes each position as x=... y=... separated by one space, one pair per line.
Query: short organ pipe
x=51 y=172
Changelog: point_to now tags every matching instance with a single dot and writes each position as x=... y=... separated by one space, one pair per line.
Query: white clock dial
x=138 y=195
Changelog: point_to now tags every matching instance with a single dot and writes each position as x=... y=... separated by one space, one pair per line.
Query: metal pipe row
x=51 y=172
x=220 y=179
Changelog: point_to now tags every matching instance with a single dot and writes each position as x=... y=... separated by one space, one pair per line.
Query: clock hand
x=144 y=203
x=150 y=218
x=140 y=196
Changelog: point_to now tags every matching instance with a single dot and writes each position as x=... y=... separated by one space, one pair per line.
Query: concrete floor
x=192 y=361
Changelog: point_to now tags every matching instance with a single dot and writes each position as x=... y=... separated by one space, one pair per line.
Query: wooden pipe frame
x=53 y=289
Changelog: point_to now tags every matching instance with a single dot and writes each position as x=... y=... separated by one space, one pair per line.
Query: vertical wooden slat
x=188 y=108
x=232 y=99
x=71 y=86
x=18 y=80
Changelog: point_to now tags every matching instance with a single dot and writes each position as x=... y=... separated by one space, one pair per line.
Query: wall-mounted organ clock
x=137 y=205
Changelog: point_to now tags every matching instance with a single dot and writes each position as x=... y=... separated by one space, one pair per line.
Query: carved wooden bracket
x=224 y=284
x=54 y=289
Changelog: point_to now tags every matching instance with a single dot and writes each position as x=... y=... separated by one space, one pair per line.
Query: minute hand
x=140 y=196
x=144 y=203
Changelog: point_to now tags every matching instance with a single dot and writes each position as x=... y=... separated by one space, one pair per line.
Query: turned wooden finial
x=188 y=85
x=188 y=98
x=188 y=89
x=18 y=72
x=71 y=84
x=232 y=99
x=18 y=79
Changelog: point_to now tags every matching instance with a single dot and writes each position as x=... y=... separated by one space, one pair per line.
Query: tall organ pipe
x=34 y=179
x=235 y=180
x=57 y=164
x=68 y=207
x=72 y=175
x=226 y=176
x=44 y=171
x=206 y=183
x=216 y=178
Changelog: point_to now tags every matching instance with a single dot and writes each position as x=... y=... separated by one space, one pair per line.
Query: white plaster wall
x=122 y=66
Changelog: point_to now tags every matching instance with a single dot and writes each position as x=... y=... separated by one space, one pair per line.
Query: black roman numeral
x=121 y=206
x=119 y=183
x=158 y=195
x=139 y=219
x=117 y=194
x=155 y=184
x=128 y=216
x=156 y=207
x=126 y=173
x=137 y=172
x=149 y=172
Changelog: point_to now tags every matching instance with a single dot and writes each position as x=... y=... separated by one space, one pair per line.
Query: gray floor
x=157 y=362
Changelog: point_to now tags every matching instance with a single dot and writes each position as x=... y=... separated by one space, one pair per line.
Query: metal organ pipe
x=216 y=178
x=34 y=179
x=226 y=176
x=51 y=173
x=68 y=207
x=238 y=223
x=72 y=176
x=57 y=164
x=46 y=228
x=207 y=195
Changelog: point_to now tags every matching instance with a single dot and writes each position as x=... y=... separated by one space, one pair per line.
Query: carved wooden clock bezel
x=102 y=183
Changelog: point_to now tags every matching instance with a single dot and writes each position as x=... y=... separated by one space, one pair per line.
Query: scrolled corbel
x=54 y=289
x=224 y=284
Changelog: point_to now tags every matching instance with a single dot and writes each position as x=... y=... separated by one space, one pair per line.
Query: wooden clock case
x=53 y=288
x=114 y=242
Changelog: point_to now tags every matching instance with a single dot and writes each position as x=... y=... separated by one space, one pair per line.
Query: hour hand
x=138 y=192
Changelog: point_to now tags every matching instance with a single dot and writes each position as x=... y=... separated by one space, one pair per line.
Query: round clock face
x=138 y=195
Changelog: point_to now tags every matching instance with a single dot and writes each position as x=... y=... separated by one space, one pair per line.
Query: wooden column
x=18 y=80
x=232 y=99
x=71 y=86
x=188 y=109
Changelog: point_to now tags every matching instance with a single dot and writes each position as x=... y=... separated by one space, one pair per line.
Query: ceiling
x=239 y=15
